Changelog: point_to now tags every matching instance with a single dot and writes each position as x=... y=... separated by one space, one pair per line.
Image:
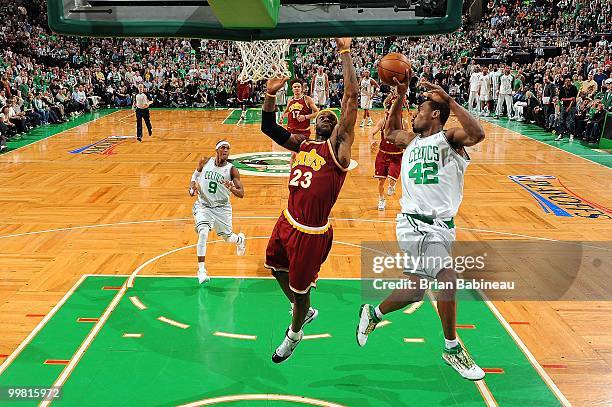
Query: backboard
x=247 y=20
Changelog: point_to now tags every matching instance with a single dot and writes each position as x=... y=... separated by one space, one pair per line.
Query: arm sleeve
x=279 y=134
x=195 y=176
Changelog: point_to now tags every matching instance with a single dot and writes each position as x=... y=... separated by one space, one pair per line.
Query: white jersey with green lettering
x=432 y=177
x=214 y=193
x=319 y=82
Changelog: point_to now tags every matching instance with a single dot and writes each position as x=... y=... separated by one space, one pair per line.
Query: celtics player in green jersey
x=433 y=167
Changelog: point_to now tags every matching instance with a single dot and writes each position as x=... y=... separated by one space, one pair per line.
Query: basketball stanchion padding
x=251 y=20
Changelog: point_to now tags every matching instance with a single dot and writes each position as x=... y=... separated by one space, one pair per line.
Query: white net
x=264 y=59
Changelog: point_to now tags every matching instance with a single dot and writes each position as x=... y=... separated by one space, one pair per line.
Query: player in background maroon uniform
x=389 y=158
x=302 y=236
x=300 y=109
x=243 y=92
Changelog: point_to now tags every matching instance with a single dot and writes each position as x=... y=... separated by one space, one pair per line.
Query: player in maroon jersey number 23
x=302 y=236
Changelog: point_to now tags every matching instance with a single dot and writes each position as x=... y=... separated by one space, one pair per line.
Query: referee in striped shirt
x=141 y=104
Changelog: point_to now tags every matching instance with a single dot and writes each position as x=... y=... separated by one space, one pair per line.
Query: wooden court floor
x=65 y=214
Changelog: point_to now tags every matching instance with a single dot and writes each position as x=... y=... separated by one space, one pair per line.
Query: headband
x=326 y=110
x=221 y=144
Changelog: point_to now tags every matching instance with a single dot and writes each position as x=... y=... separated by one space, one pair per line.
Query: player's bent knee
x=448 y=279
x=447 y=275
x=203 y=233
x=413 y=295
x=278 y=273
x=202 y=228
x=301 y=298
x=418 y=295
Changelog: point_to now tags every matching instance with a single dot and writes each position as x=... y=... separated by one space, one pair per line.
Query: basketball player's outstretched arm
x=344 y=133
x=379 y=126
x=312 y=85
x=285 y=114
x=313 y=106
x=394 y=127
x=387 y=101
x=269 y=127
x=375 y=86
x=470 y=132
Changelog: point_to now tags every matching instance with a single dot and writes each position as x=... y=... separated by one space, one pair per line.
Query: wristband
x=344 y=51
x=270 y=95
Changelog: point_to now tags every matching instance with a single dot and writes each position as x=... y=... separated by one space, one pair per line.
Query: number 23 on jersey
x=300 y=179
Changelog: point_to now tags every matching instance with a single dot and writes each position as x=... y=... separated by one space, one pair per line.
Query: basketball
x=393 y=65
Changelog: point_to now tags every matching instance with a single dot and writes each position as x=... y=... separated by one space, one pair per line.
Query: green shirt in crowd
x=605 y=97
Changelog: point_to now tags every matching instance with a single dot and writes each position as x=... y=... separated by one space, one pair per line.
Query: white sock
x=201 y=267
x=233 y=238
x=378 y=312
x=449 y=344
x=293 y=335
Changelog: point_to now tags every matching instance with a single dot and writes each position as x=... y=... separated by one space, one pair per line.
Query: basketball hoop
x=264 y=59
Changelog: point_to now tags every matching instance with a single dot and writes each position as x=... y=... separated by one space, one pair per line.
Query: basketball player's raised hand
x=402 y=87
x=435 y=92
x=343 y=43
x=274 y=84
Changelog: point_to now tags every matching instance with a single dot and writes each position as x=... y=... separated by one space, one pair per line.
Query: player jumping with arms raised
x=389 y=158
x=302 y=236
x=433 y=167
x=213 y=181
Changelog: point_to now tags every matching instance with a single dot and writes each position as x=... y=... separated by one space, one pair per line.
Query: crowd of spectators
x=48 y=78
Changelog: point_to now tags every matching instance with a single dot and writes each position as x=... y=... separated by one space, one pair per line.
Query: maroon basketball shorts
x=299 y=250
x=387 y=165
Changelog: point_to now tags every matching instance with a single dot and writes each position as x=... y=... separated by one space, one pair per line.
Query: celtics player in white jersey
x=433 y=167
x=213 y=182
x=320 y=88
x=367 y=89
